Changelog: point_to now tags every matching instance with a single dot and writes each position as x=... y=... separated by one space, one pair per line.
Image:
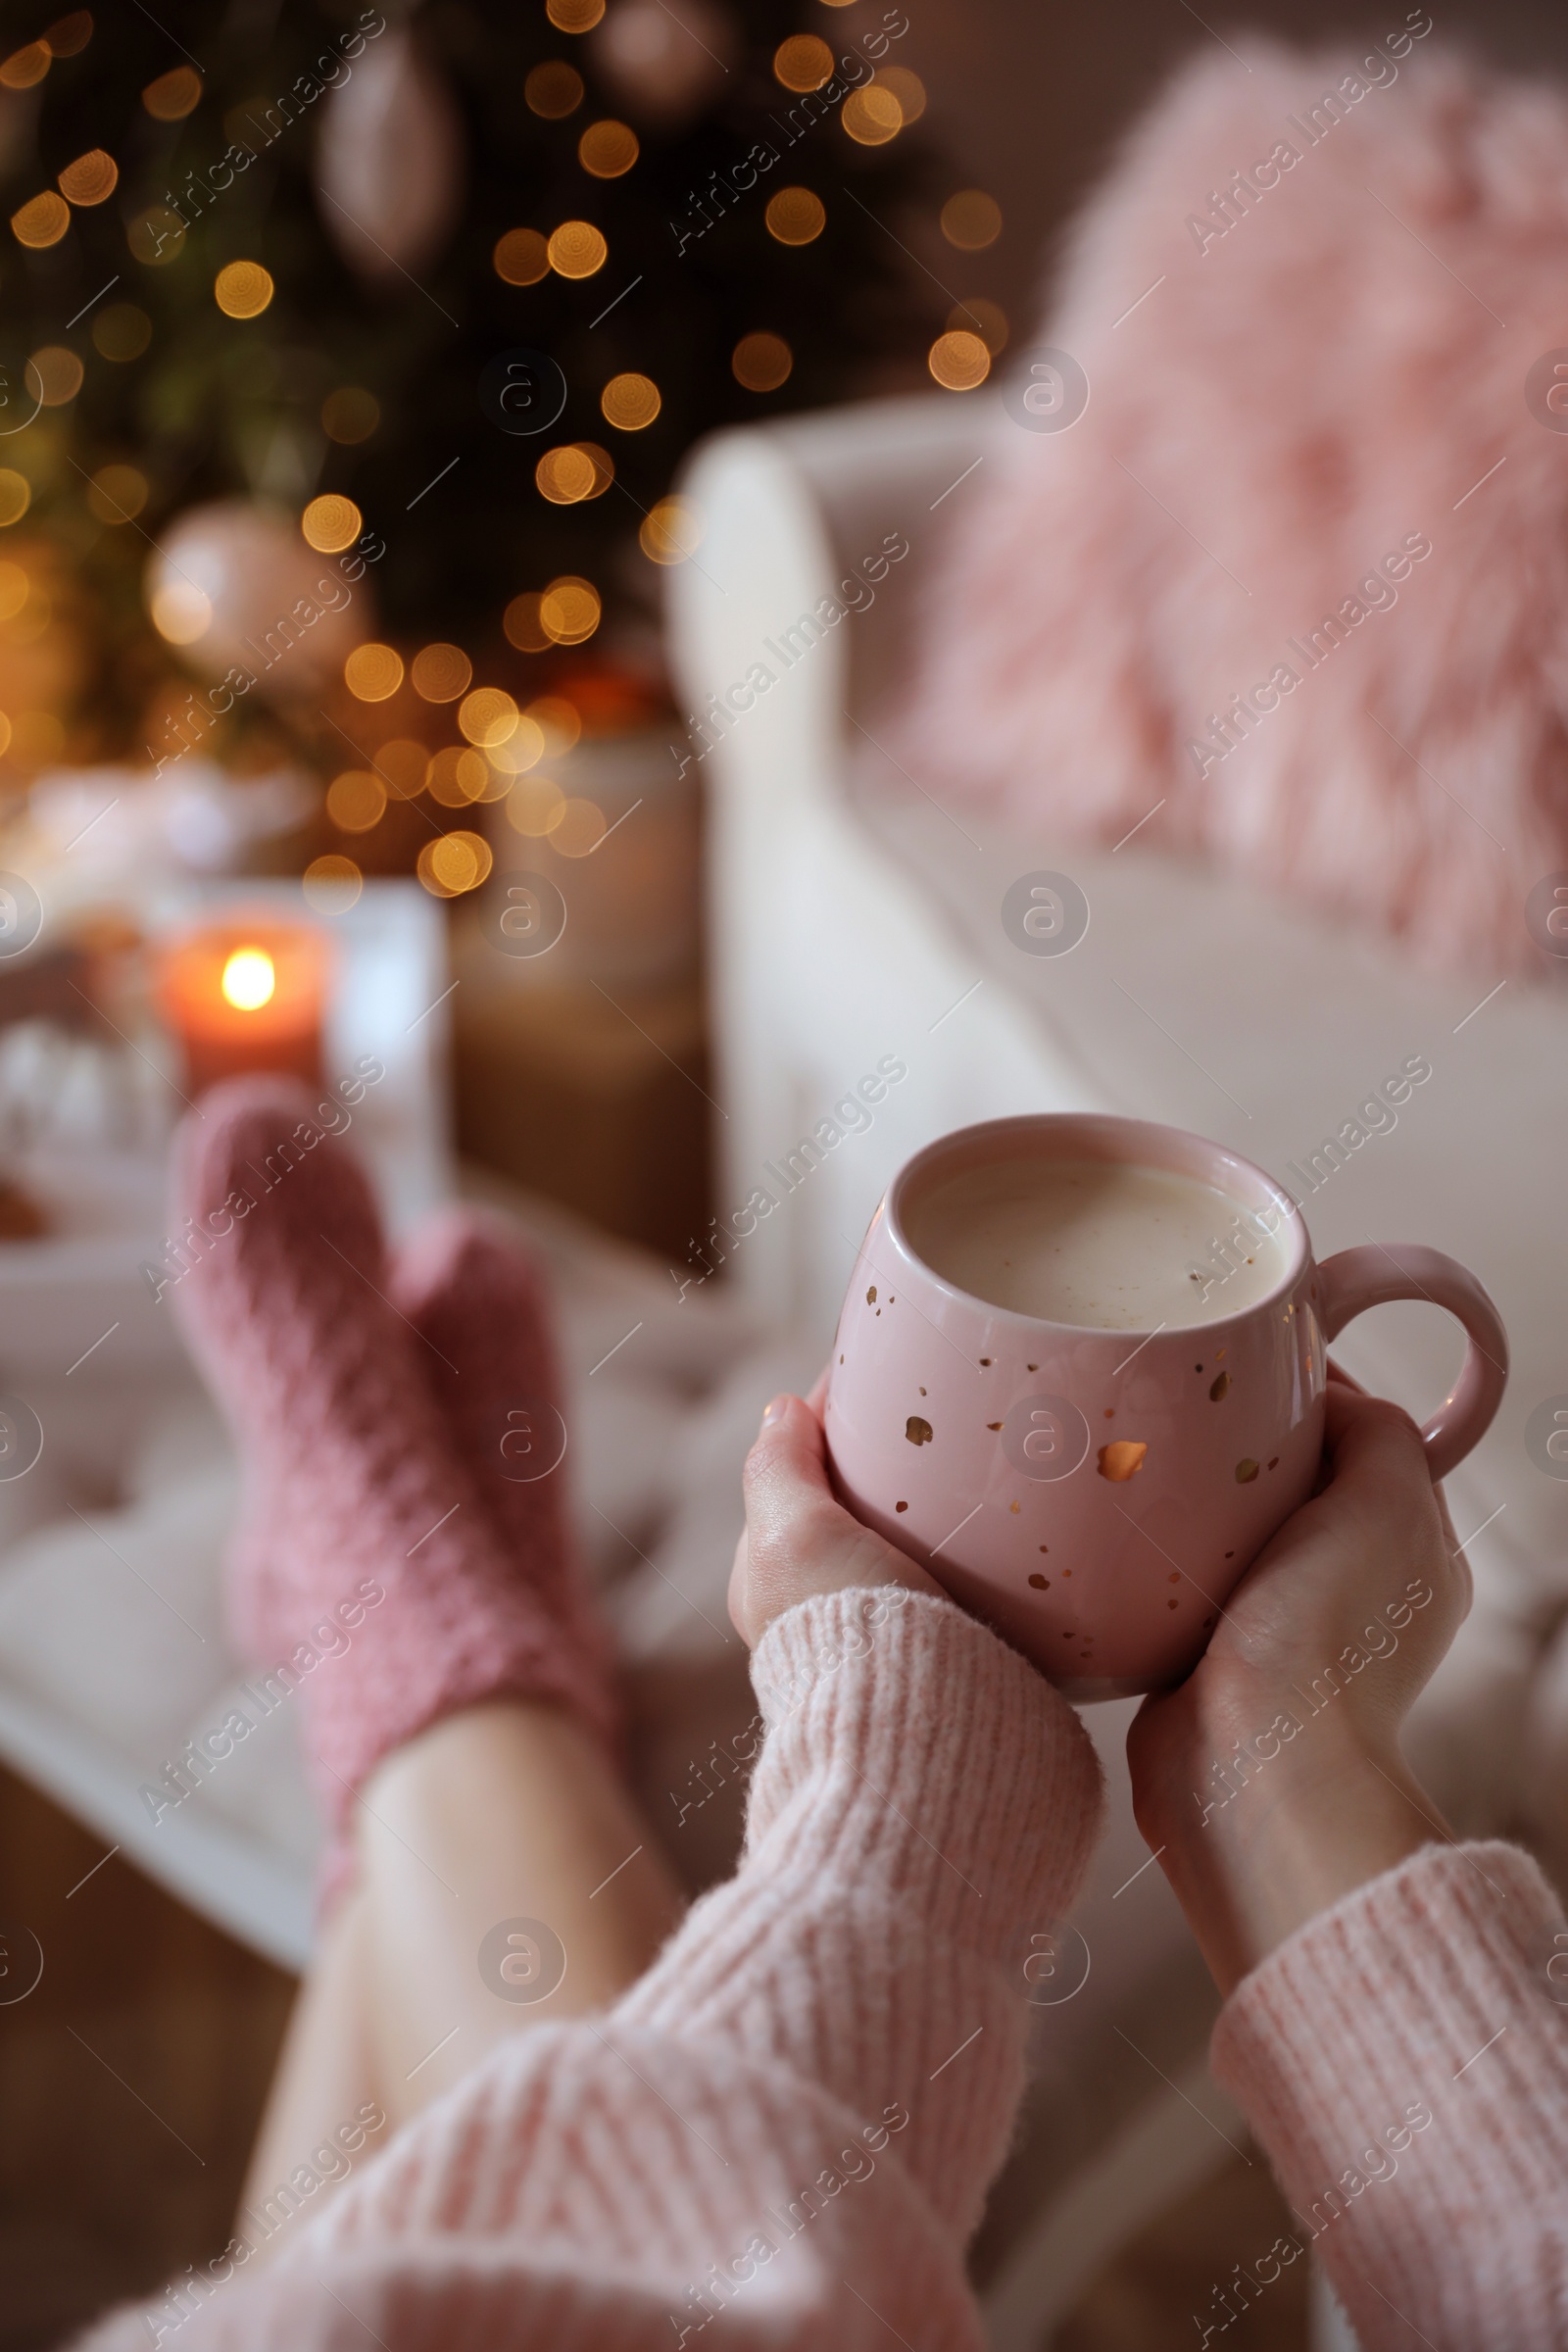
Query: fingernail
x=775 y=1411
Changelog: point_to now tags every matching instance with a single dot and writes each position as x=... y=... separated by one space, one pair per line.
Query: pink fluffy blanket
x=1299 y=569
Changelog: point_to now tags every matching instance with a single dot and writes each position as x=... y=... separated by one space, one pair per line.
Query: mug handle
x=1356 y=1278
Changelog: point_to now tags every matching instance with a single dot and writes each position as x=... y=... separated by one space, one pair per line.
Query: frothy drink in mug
x=1045 y=1391
x=1103 y=1242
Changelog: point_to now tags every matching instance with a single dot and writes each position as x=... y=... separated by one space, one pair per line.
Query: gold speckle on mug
x=1275 y=1463
x=923 y=1391
x=1197 y=1367
x=1123 y=1459
x=918 y=1431
x=1046 y=1548
x=1065 y=1571
x=993 y=1425
x=1013 y=1506
x=870 y=1296
x=1218 y=1387
x=1110 y=1412
x=1207 y=1622
x=1230 y=1555
x=1031 y=1367
x=1040 y=1583
x=841 y=1360
x=1246 y=1471
x=984 y=1359
x=1175 y=1577
x=901 y=1506
x=1173 y=1604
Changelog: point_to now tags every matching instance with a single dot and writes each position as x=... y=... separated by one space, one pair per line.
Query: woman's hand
x=1272 y=1779
x=797 y=1540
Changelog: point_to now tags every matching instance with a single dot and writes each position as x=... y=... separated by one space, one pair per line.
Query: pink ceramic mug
x=1094 y=1493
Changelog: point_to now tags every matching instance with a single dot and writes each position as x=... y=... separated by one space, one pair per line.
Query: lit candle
x=246 y=995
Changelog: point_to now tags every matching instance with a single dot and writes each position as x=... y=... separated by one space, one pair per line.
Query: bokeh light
x=243 y=289
x=906 y=87
x=42 y=221
x=91 y=179
x=116 y=492
x=372 y=672
x=457 y=862
x=802 y=62
x=487 y=717
x=26 y=67
x=441 y=672
x=608 y=149
x=574 y=16
x=172 y=96
x=630 y=402
x=520 y=751
x=350 y=414
x=972 y=219
x=554 y=89
x=576 y=470
x=15 y=587
x=332 y=524
x=872 y=116
x=156 y=236
x=761 y=362
x=796 y=216
x=356 y=801
x=521 y=621
x=181 y=613
x=401 y=765
x=457 y=775
x=533 y=805
x=68 y=37
x=332 y=885
x=521 y=257
x=959 y=362
x=569 y=610
x=122 y=331
x=54 y=376
x=576 y=249
x=671 y=531
x=16 y=495
x=557 y=722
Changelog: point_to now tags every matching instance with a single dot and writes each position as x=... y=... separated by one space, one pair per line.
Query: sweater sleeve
x=789 y=2122
x=1403 y=2059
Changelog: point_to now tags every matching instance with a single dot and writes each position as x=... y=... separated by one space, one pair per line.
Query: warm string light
x=972 y=219
x=332 y=524
x=553 y=91
x=959 y=362
x=439 y=673
x=350 y=414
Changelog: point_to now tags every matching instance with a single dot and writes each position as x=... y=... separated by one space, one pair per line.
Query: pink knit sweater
x=786 y=2131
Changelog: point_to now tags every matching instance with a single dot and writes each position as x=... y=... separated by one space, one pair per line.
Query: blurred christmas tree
x=268 y=253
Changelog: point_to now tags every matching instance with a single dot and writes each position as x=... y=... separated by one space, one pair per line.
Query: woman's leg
x=407 y=1548
x=506 y=1812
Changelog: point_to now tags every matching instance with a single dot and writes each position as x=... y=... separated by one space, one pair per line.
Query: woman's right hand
x=798 y=1540
x=1271 y=1782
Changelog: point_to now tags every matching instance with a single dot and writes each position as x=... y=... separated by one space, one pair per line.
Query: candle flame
x=249 y=979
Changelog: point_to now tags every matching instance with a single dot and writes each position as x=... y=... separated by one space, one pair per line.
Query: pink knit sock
x=366 y=1559
x=480 y=1303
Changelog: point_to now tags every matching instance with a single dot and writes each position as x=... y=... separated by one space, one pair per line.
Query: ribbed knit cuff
x=905 y=1741
x=1403 y=2059
x=921 y=1816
